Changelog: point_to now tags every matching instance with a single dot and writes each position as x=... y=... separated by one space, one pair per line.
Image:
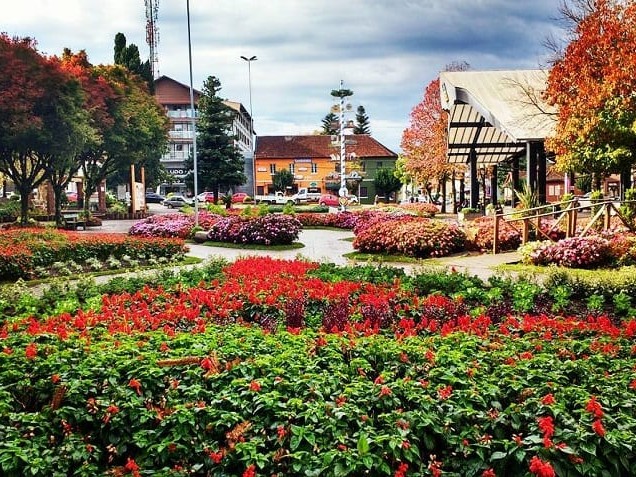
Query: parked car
x=333 y=200
x=207 y=197
x=154 y=198
x=239 y=197
x=178 y=201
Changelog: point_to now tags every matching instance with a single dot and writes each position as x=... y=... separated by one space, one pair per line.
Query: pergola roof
x=495 y=113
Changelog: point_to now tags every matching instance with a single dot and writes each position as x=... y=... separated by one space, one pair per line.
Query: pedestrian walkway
x=331 y=246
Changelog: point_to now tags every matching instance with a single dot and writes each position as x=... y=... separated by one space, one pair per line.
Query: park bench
x=72 y=220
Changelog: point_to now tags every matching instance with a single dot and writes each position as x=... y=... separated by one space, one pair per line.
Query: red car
x=330 y=200
x=239 y=197
x=207 y=197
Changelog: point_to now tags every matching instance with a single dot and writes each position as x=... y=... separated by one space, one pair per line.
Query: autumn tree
x=132 y=128
x=593 y=85
x=43 y=119
x=424 y=141
x=220 y=164
x=362 y=122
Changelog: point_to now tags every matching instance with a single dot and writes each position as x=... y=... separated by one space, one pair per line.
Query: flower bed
x=593 y=251
x=367 y=378
x=270 y=229
x=172 y=225
x=32 y=252
x=413 y=237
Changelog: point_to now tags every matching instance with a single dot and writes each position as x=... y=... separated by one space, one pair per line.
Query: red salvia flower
x=594 y=407
x=548 y=400
x=250 y=471
x=136 y=385
x=597 y=426
x=31 y=351
x=255 y=386
x=541 y=468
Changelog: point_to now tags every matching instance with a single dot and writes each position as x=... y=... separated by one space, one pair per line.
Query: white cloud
x=385 y=51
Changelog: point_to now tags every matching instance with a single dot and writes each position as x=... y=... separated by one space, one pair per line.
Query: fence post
x=495 y=239
x=526 y=231
x=608 y=215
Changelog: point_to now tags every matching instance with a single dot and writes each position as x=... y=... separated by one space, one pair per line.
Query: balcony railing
x=180 y=134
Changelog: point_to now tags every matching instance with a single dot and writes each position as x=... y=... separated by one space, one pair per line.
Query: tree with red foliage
x=425 y=141
x=593 y=85
x=42 y=115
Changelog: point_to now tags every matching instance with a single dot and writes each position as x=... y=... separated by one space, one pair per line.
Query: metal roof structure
x=495 y=113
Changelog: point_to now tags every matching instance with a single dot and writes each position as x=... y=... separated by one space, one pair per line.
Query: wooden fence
x=528 y=220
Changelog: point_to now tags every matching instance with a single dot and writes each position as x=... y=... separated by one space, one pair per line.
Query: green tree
x=128 y=56
x=43 y=119
x=132 y=127
x=386 y=182
x=282 y=180
x=329 y=125
x=362 y=122
x=220 y=164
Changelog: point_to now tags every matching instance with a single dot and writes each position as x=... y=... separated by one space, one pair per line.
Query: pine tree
x=362 y=122
x=330 y=124
x=128 y=56
x=219 y=162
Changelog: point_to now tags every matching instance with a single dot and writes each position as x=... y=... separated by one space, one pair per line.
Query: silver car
x=178 y=201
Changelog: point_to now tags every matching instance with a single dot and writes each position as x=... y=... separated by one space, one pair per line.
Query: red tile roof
x=282 y=147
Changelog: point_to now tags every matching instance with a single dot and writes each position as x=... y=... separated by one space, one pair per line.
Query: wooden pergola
x=498 y=117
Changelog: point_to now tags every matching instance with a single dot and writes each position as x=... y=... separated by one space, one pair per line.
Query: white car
x=177 y=201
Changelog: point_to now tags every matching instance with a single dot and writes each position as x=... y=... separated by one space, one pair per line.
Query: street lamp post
x=194 y=124
x=249 y=84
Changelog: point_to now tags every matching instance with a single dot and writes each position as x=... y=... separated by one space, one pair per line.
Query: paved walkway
x=331 y=246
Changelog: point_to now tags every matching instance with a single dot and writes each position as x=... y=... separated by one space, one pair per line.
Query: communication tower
x=152 y=34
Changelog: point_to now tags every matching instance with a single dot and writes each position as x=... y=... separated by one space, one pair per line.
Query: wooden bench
x=72 y=221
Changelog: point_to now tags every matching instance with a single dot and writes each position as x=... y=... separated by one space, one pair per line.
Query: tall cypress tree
x=362 y=122
x=329 y=125
x=128 y=56
x=219 y=162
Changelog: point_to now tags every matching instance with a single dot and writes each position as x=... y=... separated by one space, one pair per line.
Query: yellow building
x=315 y=162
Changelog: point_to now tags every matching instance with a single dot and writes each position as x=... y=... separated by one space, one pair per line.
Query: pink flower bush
x=574 y=252
x=270 y=229
x=172 y=225
x=421 y=209
x=480 y=233
x=412 y=236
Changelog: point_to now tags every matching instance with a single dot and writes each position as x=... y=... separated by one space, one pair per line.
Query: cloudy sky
x=385 y=51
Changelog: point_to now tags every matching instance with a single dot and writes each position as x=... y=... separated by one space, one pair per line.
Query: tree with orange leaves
x=425 y=142
x=593 y=85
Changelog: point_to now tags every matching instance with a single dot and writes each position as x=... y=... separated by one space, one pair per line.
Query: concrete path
x=330 y=246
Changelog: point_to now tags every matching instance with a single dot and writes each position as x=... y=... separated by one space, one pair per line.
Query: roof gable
x=170 y=91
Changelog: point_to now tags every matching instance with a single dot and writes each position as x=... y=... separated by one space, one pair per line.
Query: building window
x=178 y=147
x=378 y=165
x=314 y=168
x=364 y=191
x=292 y=167
x=363 y=166
x=272 y=169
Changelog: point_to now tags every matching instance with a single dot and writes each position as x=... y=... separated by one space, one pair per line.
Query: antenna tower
x=152 y=34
